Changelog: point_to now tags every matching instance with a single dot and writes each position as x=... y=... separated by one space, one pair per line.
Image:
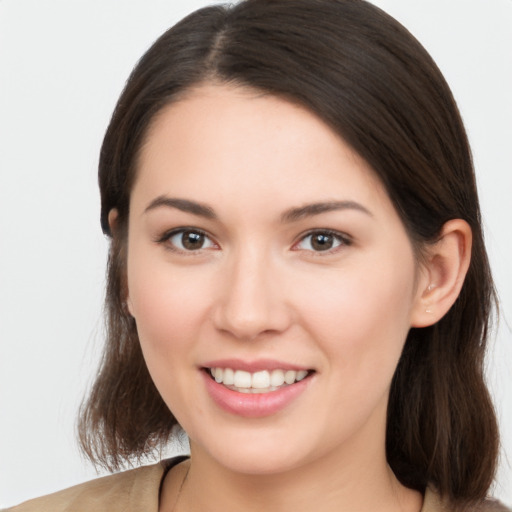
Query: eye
x=321 y=241
x=188 y=240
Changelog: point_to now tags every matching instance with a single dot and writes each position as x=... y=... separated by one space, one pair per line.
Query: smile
x=264 y=381
x=264 y=391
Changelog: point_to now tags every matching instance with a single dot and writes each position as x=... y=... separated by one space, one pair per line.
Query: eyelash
x=341 y=239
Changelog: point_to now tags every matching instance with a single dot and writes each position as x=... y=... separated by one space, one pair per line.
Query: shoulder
x=136 y=489
x=491 y=505
x=434 y=503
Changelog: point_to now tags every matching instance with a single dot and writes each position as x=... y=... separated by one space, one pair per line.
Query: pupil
x=192 y=240
x=322 y=242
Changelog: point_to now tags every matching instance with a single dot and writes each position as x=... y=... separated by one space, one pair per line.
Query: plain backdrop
x=63 y=64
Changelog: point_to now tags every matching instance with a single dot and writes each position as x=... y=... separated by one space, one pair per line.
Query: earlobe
x=443 y=273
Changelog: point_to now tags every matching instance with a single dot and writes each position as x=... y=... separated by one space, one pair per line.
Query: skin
x=259 y=289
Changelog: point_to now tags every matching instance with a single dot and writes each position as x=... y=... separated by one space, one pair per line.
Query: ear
x=113 y=216
x=443 y=273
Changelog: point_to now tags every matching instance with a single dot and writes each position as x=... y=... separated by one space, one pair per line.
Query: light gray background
x=62 y=66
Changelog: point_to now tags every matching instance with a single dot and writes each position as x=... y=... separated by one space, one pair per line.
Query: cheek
x=166 y=305
x=168 y=309
x=362 y=317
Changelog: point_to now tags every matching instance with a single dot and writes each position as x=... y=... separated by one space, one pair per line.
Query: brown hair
x=368 y=78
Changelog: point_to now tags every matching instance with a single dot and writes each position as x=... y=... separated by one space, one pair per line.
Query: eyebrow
x=309 y=210
x=291 y=215
x=184 y=205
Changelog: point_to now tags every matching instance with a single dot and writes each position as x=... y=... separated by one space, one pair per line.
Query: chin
x=254 y=453
x=259 y=462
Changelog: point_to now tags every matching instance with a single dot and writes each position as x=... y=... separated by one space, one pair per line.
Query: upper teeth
x=259 y=380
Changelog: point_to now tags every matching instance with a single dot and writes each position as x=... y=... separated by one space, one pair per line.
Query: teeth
x=301 y=374
x=289 y=377
x=260 y=380
x=277 y=378
x=257 y=382
x=242 y=379
x=228 y=377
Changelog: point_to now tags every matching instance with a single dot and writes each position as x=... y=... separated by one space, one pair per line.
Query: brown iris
x=192 y=240
x=322 y=241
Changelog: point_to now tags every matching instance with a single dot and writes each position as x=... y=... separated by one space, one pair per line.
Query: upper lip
x=253 y=366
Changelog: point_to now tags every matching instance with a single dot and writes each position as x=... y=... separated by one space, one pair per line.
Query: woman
x=297 y=272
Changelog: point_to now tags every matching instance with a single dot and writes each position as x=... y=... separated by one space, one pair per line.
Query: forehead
x=222 y=141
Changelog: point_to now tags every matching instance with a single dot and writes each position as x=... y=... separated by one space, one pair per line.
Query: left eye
x=321 y=241
x=190 y=240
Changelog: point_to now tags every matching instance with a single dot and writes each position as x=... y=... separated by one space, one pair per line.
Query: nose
x=251 y=298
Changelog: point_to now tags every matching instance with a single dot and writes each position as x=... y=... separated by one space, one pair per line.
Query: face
x=264 y=251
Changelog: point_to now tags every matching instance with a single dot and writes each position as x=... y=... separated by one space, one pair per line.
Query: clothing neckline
x=431 y=502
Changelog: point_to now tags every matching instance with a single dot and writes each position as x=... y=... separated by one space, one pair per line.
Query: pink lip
x=253 y=366
x=253 y=405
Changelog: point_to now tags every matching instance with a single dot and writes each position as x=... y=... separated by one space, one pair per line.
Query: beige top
x=138 y=490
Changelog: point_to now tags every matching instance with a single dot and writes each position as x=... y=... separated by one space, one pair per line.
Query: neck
x=355 y=479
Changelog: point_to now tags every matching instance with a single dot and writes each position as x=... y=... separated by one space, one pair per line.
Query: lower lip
x=253 y=405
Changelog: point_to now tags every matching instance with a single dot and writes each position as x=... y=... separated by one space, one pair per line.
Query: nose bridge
x=251 y=301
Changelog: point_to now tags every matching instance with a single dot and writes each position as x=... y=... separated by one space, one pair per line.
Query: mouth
x=263 y=381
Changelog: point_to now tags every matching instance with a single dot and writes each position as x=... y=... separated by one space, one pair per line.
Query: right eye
x=188 y=240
